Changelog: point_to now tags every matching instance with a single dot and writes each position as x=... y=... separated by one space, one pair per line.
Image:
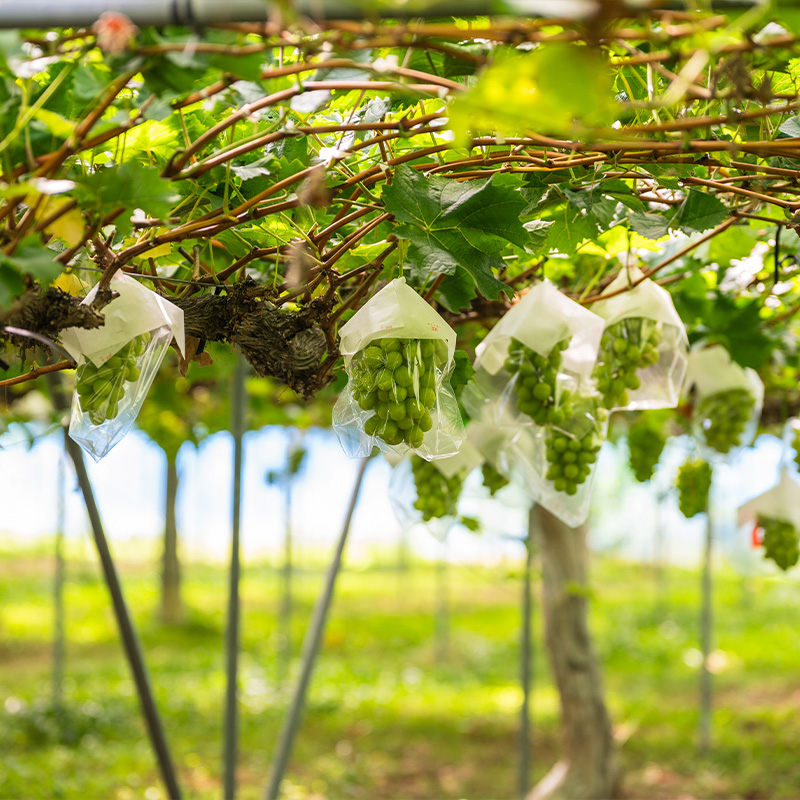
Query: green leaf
x=11 y=282
x=700 y=212
x=37 y=261
x=127 y=185
x=451 y=225
x=571 y=227
x=521 y=94
x=651 y=226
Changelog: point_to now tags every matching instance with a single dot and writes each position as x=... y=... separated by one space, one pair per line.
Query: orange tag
x=757 y=536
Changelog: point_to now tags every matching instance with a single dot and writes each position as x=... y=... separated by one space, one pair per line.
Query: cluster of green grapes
x=572 y=449
x=781 y=541
x=100 y=389
x=724 y=417
x=626 y=347
x=493 y=479
x=396 y=378
x=536 y=377
x=694 y=484
x=437 y=496
x=645 y=445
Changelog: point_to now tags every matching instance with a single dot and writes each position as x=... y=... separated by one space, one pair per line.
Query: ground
x=386 y=718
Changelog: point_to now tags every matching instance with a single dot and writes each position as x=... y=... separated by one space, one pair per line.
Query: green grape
x=396 y=378
x=101 y=389
x=571 y=449
x=493 y=480
x=694 y=485
x=437 y=496
x=781 y=541
x=626 y=347
x=535 y=381
x=724 y=417
x=645 y=445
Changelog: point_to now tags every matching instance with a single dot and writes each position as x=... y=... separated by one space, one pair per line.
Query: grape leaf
x=456 y=225
x=651 y=226
x=700 y=212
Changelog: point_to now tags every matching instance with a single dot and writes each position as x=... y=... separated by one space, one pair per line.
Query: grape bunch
x=694 y=484
x=536 y=377
x=572 y=448
x=396 y=378
x=626 y=347
x=100 y=389
x=493 y=480
x=724 y=417
x=780 y=541
x=437 y=496
x=645 y=445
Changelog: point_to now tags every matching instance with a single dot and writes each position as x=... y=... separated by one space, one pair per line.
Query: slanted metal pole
x=524 y=734
x=705 y=637
x=126 y=629
x=231 y=721
x=311 y=643
x=58 y=587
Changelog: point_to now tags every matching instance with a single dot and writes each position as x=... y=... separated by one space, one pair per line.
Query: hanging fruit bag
x=118 y=362
x=776 y=513
x=535 y=358
x=728 y=400
x=643 y=352
x=398 y=354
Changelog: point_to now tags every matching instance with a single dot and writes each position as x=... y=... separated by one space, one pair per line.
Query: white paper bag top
x=711 y=370
x=781 y=501
x=396 y=310
x=645 y=299
x=542 y=318
x=137 y=310
x=466 y=459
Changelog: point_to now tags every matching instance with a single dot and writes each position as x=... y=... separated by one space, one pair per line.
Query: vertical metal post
x=442 y=618
x=58 y=587
x=526 y=643
x=311 y=643
x=285 y=652
x=126 y=629
x=705 y=637
x=231 y=721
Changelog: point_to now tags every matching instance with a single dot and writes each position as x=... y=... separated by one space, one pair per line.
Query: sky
x=129 y=486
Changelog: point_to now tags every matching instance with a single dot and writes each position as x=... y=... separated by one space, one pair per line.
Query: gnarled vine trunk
x=171 y=605
x=588 y=769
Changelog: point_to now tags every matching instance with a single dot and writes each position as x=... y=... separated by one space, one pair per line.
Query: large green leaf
x=700 y=212
x=451 y=225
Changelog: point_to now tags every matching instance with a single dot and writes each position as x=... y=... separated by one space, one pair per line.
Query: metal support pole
x=58 y=588
x=526 y=639
x=126 y=629
x=705 y=636
x=231 y=721
x=311 y=643
x=285 y=652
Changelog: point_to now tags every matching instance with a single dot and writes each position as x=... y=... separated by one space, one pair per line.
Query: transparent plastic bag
x=118 y=362
x=536 y=357
x=728 y=401
x=428 y=492
x=644 y=349
x=398 y=354
x=776 y=513
x=559 y=462
x=791 y=440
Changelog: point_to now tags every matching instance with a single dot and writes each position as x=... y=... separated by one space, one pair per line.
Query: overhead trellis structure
x=309 y=157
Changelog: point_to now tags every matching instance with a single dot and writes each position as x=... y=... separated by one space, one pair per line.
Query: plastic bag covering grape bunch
x=643 y=352
x=782 y=503
x=791 y=440
x=118 y=362
x=728 y=401
x=537 y=354
x=398 y=353
x=427 y=492
x=533 y=378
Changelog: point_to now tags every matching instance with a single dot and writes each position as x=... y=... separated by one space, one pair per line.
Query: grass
x=386 y=718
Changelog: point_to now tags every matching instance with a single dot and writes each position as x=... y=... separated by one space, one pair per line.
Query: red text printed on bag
x=434 y=328
x=387 y=327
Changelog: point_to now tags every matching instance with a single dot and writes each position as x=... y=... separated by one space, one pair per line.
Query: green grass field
x=386 y=718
